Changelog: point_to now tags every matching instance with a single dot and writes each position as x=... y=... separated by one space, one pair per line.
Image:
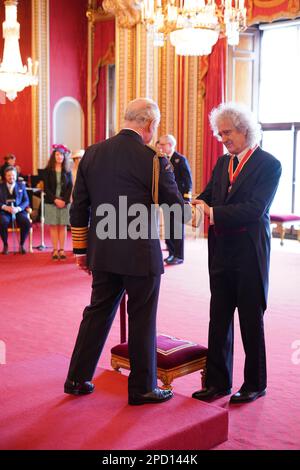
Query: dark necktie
x=235 y=162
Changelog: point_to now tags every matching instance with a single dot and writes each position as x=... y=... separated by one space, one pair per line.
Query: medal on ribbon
x=234 y=174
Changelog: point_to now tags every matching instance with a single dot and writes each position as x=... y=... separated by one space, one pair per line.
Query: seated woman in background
x=58 y=189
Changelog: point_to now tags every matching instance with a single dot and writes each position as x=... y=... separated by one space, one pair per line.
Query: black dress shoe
x=175 y=260
x=156 y=396
x=5 y=250
x=22 y=250
x=242 y=396
x=169 y=258
x=210 y=393
x=78 y=388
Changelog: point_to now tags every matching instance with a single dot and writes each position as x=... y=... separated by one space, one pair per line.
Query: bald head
x=166 y=144
x=143 y=115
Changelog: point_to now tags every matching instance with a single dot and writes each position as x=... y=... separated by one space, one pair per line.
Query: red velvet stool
x=175 y=357
x=282 y=222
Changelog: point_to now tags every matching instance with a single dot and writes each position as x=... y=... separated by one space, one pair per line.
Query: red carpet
x=41 y=307
x=36 y=415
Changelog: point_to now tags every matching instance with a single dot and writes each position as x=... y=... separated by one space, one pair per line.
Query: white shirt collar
x=133 y=130
x=242 y=154
x=10 y=187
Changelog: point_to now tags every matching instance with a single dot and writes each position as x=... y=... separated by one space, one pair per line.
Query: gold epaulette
x=158 y=153
x=188 y=195
x=155 y=178
x=151 y=147
x=79 y=237
x=161 y=154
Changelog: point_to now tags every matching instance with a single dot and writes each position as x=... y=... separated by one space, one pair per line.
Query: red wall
x=15 y=117
x=68 y=73
x=68 y=53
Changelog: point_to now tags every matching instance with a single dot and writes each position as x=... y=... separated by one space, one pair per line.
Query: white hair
x=171 y=139
x=141 y=111
x=242 y=119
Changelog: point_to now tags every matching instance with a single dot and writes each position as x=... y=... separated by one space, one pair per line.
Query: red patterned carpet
x=41 y=307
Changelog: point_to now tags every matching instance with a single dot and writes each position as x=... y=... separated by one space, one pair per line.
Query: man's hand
x=81 y=262
x=204 y=206
x=15 y=210
x=7 y=209
x=10 y=209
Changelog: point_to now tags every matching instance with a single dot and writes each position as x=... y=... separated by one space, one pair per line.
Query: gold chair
x=284 y=221
x=16 y=229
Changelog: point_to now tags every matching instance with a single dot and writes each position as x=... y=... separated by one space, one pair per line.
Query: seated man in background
x=13 y=202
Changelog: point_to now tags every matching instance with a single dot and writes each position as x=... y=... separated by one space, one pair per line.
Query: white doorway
x=68 y=123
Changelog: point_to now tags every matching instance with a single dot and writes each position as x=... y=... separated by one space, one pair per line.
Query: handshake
x=199 y=203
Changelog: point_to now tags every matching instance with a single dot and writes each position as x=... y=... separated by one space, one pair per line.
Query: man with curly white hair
x=237 y=200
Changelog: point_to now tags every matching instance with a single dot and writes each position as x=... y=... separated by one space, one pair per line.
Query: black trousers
x=23 y=223
x=235 y=282
x=174 y=243
x=107 y=292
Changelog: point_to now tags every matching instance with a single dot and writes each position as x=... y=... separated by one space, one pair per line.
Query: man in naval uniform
x=121 y=167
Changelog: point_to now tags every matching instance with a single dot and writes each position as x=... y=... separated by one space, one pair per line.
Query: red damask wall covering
x=68 y=52
x=67 y=76
x=15 y=116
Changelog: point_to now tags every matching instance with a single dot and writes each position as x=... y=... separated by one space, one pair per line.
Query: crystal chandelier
x=195 y=25
x=14 y=76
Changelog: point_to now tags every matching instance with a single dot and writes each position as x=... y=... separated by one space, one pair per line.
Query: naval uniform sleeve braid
x=80 y=214
x=79 y=239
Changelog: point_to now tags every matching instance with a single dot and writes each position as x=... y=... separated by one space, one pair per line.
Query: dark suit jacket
x=183 y=175
x=20 y=195
x=246 y=205
x=119 y=166
x=50 y=186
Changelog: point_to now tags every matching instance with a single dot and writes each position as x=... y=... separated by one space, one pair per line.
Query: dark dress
x=57 y=185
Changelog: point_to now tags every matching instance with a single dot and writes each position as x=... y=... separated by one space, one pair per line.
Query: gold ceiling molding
x=127 y=12
x=271 y=10
x=96 y=14
x=268 y=3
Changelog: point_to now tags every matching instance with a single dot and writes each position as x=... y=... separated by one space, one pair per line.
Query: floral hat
x=61 y=148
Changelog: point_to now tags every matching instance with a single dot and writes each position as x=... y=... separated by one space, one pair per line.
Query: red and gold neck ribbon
x=234 y=174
